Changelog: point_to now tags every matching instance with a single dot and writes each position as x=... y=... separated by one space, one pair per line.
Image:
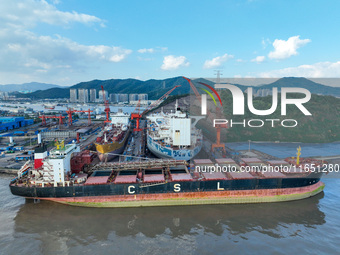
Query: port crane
x=136 y=113
x=70 y=112
x=218 y=127
x=107 y=107
x=44 y=117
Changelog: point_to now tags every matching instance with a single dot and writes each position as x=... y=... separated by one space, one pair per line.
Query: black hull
x=163 y=188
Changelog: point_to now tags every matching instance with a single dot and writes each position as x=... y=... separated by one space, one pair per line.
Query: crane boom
x=153 y=105
x=107 y=107
x=137 y=116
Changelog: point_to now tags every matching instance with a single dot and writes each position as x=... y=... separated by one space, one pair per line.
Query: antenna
x=163 y=84
x=218 y=74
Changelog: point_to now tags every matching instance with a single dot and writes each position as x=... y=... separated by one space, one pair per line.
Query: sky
x=65 y=42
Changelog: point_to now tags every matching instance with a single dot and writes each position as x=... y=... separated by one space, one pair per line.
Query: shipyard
x=156 y=153
x=169 y=127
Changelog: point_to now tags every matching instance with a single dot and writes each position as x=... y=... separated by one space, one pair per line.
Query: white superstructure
x=172 y=135
x=57 y=165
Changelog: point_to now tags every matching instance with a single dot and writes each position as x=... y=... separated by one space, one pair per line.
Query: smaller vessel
x=49 y=106
x=171 y=135
x=113 y=138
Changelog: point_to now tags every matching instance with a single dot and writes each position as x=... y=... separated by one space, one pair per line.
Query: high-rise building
x=93 y=95
x=114 y=98
x=73 y=95
x=123 y=98
x=83 y=95
x=143 y=97
x=100 y=95
x=133 y=97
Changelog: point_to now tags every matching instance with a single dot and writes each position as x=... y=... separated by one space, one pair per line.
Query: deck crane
x=136 y=113
x=107 y=107
x=218 y=127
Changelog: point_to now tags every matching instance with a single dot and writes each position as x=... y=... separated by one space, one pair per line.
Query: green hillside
x=322 y=126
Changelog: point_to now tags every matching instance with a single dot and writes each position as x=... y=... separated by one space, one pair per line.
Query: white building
x=93 y=95
x=73 y=95
x=83 y=95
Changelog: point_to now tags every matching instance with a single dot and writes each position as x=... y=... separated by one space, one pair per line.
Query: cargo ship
x=111 y=142
x=172 y=135
x=164 y=182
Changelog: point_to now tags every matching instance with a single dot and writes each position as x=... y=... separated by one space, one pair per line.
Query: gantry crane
x=70 y=112
x=44 y=117
x=89 y=115
x=136 y=113
x=107 y=107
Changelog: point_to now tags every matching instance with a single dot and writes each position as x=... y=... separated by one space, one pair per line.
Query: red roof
x=96 y=180
x=271 y=174
x=154 y=178
x=251 y=160
x=241 y=175
x=202 y=161
x=126 y=179
x=277 y=162
x=214 y=176
x=225 y=161
x=181 y=177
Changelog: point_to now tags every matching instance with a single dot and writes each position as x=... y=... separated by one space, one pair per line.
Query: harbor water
x=311 y=226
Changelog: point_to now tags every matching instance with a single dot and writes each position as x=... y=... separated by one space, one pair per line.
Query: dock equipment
x=149 y=164
x=107 y=107
x=136 y=113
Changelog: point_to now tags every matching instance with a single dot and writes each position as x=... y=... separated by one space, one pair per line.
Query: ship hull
x=165 y=152
x=178 y=193
x=192 y=198
x=107 y=151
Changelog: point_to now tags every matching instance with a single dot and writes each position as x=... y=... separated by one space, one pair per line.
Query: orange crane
x=218 y=127
x=107 y=107
x=137 y=115
x=69 y=113
x=44 y=117
x=89 y=115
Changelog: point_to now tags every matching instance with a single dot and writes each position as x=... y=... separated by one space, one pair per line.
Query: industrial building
x=9 y=123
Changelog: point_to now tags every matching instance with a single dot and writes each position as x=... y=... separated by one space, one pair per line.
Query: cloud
x=216 y=62
x=151 y=50
x=27 y=13
x=172 y=62
x=265 y=42
x=317 y=70
x=259 y=59
x=285 y=49
x=26 y=47
x=27 y=56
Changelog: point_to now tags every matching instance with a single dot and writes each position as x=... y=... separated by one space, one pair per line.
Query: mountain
x=313 y=87
x=156 y=88
x=34 y=86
